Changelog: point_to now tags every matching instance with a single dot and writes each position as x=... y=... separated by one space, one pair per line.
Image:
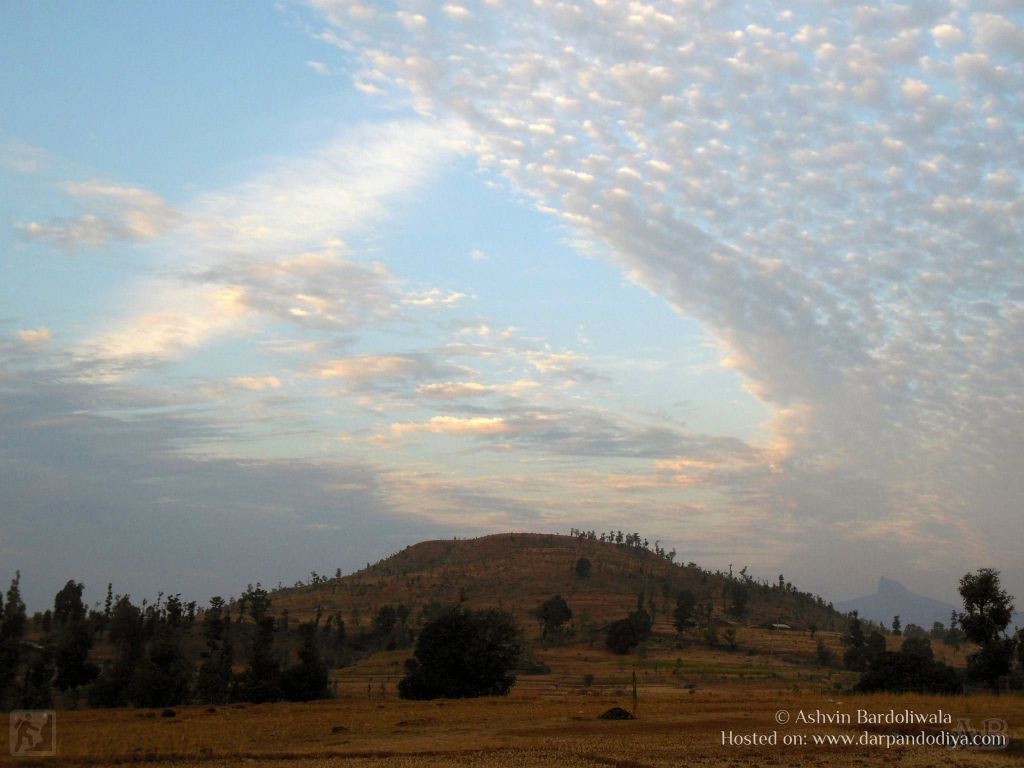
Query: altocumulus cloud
x=832 y=191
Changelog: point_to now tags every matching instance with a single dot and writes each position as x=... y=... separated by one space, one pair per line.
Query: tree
x=213 y=684
x=740 y=596
x=622 y=637
x=73 y=639
x=987 y=612
x=125 y=634
x=908 y=673
x=855 y=656
x=682 y=615
x=896 y=626
x=463 y=654
x=385 y=620
x=12 y=629
x=552 y=614
x=306 y=680
x=261 y=681
x=918 y=645
x=582 y=568
x=255 y=601
x=164 y=678
x=823 y=654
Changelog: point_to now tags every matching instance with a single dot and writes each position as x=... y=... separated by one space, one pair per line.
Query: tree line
x=168 y=652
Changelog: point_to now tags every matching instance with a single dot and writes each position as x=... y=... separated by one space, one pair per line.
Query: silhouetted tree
x=213 y=683
x=254 y=602
x=125 y=633
x=855 y=656
x=823 y=654
x=384 y=622
x=552 y=614
x=261 y=681
x=462 y=654
x=12 y=630
x=583 y=568
x=909 y=673
x=987 y=612
x=918 y=645
x=621 y=637
x=306 y=680
x=896 y=626
x=164 y=677
x=73 y=639
x=740 y=596
x=682 y=615
x=36 y=688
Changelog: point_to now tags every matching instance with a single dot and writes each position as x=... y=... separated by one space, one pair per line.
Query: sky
x=290 y=286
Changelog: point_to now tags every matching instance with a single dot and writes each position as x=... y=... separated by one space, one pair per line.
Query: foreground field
x=684 y=705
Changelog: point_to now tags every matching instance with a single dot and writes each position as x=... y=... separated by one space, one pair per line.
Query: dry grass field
x=686 y=699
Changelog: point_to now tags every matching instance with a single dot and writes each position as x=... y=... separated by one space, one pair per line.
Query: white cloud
x=24 y=158
x=256 y=383
x=824 y=167
x=116 y=213
x=455 y=426
x=35 y=337
x=266 y=249
x=997 y=35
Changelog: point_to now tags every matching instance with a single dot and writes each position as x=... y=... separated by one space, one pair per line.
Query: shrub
x=463 y=654
x=622 y=636
x=908 y=673
x=583 y=567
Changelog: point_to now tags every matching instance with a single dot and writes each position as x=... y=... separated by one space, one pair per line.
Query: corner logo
x=33 y=733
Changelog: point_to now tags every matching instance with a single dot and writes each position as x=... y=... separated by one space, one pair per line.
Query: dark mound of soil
x=617 y=713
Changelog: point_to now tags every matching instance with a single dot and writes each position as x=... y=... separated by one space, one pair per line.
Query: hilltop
x=518 y=571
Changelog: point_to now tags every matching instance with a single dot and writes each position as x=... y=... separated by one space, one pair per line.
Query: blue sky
x=288 y=286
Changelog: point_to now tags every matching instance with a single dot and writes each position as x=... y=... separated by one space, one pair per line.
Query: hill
x=518 y=571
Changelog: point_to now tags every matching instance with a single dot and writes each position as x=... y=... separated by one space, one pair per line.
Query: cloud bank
x=832 y=190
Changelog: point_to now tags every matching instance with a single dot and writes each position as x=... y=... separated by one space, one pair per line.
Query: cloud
x=256 y=383
x=86 y=493
x=309 y=201
x=175 y=321
x=35 y=337
x=831 y=196
x=455 y=426
x=365 y=372
x=457 y=390
x=269 y=249
x=23 y=158
x=118 y=213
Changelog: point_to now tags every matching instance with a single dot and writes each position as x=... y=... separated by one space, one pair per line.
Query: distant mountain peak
x=894 y=599
x=891 y=587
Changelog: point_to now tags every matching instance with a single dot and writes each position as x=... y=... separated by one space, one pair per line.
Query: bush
x=463 y=654
x=823 y=654
x=164 y=678
x=908 y=673
x=622 y=636
x=306 y=680
x=583 y=567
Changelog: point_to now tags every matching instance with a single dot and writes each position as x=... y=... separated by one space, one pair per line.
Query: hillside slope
x=518 y=571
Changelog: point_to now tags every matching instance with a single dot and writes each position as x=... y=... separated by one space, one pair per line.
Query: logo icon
x=33 y=732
